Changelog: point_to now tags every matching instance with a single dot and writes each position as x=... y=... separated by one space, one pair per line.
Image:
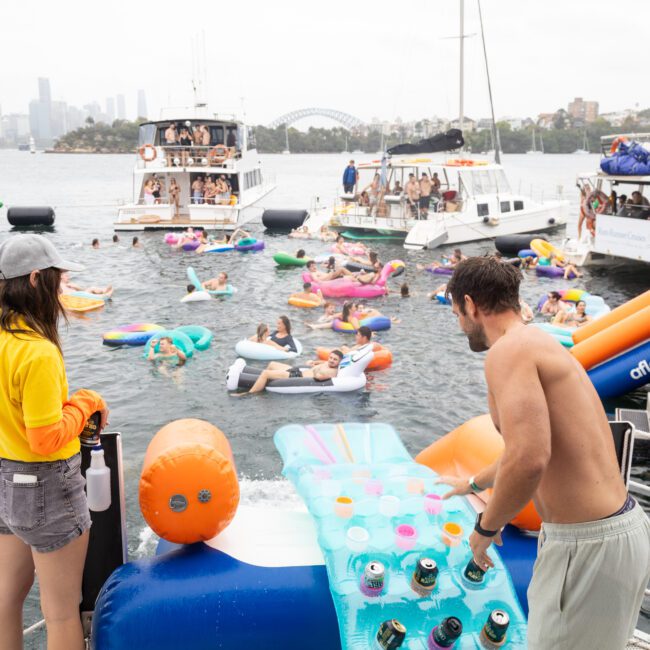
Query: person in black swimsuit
x=282 y=335
x=185 y=141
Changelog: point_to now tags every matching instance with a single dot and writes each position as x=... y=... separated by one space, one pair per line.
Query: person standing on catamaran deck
x=350 y=178
x=593 y=561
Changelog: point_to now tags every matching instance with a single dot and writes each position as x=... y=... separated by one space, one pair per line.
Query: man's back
x=582 y=448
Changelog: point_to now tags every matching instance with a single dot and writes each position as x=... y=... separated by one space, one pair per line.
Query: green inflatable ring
x=284 y=259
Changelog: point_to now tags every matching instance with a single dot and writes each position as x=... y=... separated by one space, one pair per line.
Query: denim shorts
x=46 y=513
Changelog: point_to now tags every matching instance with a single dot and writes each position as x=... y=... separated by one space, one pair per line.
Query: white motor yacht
x=230 y=155
x=474 y=201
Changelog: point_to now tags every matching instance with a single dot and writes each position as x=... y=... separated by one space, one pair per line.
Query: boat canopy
x=225 y=132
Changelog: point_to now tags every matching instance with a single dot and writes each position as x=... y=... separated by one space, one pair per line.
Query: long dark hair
x=287 y=323
x=38 y=307
x=345 y=312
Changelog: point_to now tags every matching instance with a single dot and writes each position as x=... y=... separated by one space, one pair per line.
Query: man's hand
x=479 y=545
x=103 y=422
x=460 y=486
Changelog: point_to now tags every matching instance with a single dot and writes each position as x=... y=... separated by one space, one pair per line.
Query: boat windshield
x=146 y=134
x=485 y=181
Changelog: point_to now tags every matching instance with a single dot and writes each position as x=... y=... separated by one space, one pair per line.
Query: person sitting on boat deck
x=70 y=287
x=567 y=266
x=223 y=190
x=95 y=243
x=197 y=190
x=527 y=315
x=301 y=232
x=373 y=188
x=320 y=276
x=238 y=235
x=397 y=189
x=553 y=304
x=425 y=195
x=325 y=321
x=413 y=195
x=174 y=196
x=325 y=234
x=370 y=277
x=220 y=283
x=282 y=335
x=364 y=199
x=350 y=178
x=435 y=184
x=362 y=337
x=167 y=351
x=307 y=293
x=576 y=318
x=621 y=201
x=185 y=141
x=320 y=371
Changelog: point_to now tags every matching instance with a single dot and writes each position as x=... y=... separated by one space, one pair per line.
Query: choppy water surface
x=435 y=382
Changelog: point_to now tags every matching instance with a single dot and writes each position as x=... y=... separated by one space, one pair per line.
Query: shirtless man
x=171 y=137
x=307 y=293
x=435 y=184
x=325 y=321
x=425 y=195
x=320 y=276
x=320 y=371
x=593 y=558
x=167 y=351
x=220 y=283
x=413 y=194
x=197 y=190
x=209 y=190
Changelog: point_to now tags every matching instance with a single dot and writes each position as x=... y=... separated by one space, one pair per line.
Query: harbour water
x=435 y=382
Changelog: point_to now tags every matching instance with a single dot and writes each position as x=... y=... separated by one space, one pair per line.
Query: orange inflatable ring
x=188 y=488
x=218 y=153
x=616 y=142
x=147 y=152
x=382 y=359
x=316 y=301
x=465 y=451
x=592 y=197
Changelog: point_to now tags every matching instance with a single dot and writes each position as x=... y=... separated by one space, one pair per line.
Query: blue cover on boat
x=630 y=159
x=365 y=463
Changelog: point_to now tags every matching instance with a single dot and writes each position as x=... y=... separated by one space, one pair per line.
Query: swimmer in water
x=576 y=318
x=220 y=283
x=69 y=287
x=325 y=321
x=307 y=293
x=167 y=352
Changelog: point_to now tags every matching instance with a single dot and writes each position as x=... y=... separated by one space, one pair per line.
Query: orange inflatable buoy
x=465 y=451
x=188 y=488
x=382 y=357
x=616 y=142
x=218 y=153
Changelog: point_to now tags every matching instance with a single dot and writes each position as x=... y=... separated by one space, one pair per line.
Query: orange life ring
x=144 y=155
x=595 y=196
x=218 y=153
x=616 y=142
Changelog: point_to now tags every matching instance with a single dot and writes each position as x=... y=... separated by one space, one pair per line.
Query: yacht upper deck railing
x=199 y=156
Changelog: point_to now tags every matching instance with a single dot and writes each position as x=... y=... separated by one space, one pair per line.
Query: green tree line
x=122 y=137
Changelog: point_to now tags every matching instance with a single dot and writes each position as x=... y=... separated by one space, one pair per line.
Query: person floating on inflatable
x=320 y=371
x=325 y=321
x=220 y=283
x=167 y=352
x=361 y=338
x=70 y=287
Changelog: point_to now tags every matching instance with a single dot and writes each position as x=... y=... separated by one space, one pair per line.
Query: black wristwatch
x=480 y=530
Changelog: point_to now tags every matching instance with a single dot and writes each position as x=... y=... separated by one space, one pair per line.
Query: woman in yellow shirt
x=44 y=518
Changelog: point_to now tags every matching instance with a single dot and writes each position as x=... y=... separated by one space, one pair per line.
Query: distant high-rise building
x=142 y=104
x=110 y=110
x=121 y=108
x=75 y=118
x=59 y=119
x=93 y=110
x=14 y=128
x=40 y=112
x=582 y=110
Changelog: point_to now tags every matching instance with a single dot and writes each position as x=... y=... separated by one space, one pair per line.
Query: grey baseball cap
x=22 y=254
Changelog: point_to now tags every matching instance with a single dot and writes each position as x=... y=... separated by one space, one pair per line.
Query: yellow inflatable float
x=465 y=451
x=544 y=249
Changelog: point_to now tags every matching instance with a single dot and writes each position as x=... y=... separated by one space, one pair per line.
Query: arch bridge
x=345 y=119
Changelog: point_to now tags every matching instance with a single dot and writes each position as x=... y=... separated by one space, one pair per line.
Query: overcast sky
x=366 y=57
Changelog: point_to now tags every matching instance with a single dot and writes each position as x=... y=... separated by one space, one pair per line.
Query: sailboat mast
x=495 y=139
x=462 y=64
x=286 y=136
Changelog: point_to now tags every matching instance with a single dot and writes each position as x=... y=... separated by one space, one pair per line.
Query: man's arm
x=524 y=422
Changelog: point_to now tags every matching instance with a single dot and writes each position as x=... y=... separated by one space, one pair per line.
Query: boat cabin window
x=250 y=140
x=519 y=205
x=484 y=181
x=505 y=206
x=146 y=134
x=482 y=209
x=252 y=179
